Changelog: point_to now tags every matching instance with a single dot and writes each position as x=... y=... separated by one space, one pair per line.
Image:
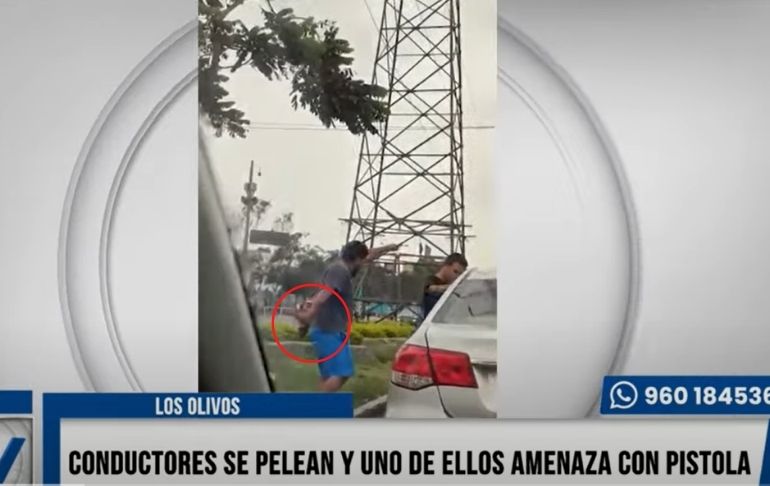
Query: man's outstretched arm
x=376 y=253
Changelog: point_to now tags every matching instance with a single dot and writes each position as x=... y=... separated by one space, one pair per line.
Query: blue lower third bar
x=686 y=395
x=198 y=405
x=15 y=402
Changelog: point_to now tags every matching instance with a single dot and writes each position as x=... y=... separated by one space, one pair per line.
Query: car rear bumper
x=417 y=404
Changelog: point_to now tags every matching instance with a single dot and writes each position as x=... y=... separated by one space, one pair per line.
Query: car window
x=473 y=301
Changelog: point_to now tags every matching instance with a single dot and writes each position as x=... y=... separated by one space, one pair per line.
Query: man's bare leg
x=333 y=383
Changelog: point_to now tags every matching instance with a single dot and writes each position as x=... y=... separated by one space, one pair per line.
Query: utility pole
x=249 y=201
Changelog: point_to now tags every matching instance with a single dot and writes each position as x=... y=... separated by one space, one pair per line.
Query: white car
x=448 y=367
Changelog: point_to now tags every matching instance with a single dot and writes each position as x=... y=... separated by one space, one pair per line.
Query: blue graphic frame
x=15 y=402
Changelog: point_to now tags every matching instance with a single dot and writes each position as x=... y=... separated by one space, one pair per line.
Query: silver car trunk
x=466 y=322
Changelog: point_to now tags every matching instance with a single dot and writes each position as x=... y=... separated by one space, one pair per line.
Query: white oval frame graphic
x=95 y=186
x=571 y=270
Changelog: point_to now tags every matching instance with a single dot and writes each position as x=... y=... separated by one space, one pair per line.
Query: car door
x=231 y=357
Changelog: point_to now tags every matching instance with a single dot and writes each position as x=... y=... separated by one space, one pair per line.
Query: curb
x=372 y=409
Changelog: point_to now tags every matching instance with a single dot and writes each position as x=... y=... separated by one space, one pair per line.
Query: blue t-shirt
x=332 y=316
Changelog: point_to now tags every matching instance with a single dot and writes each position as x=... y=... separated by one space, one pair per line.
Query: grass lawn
x=370 y=381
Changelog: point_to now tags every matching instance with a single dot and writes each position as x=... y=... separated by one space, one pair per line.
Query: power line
x=274 y=124
x=300 y=126
x=289 y=128
x=371 y=16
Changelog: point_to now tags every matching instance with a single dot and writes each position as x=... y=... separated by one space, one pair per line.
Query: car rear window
x=473 y=301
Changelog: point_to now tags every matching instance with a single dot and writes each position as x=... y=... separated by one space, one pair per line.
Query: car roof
x=482 y=273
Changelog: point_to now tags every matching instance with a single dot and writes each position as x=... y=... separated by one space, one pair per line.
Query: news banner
x=309 y=438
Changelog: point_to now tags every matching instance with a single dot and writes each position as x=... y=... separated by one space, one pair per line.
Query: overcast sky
x=310 y=171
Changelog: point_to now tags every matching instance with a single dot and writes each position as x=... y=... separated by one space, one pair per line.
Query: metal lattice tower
x=409 y=183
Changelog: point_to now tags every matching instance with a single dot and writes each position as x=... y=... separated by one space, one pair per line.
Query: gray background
x=63 y=61
x=649 y=256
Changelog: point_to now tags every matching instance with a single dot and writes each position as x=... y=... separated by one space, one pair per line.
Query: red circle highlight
x=293 y=356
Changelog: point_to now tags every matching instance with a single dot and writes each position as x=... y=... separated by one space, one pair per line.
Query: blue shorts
x=326 y=343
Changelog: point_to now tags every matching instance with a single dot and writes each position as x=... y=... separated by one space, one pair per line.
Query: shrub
x=360 y=331
x=390 y=329
x=376 y=331
x=355 y=336
x=286 y=332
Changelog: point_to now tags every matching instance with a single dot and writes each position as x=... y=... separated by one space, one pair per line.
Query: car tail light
x=411 y=368
x=417 y=367
x=452 y=368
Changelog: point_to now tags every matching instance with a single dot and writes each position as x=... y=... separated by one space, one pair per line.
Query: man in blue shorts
x=326 y=318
